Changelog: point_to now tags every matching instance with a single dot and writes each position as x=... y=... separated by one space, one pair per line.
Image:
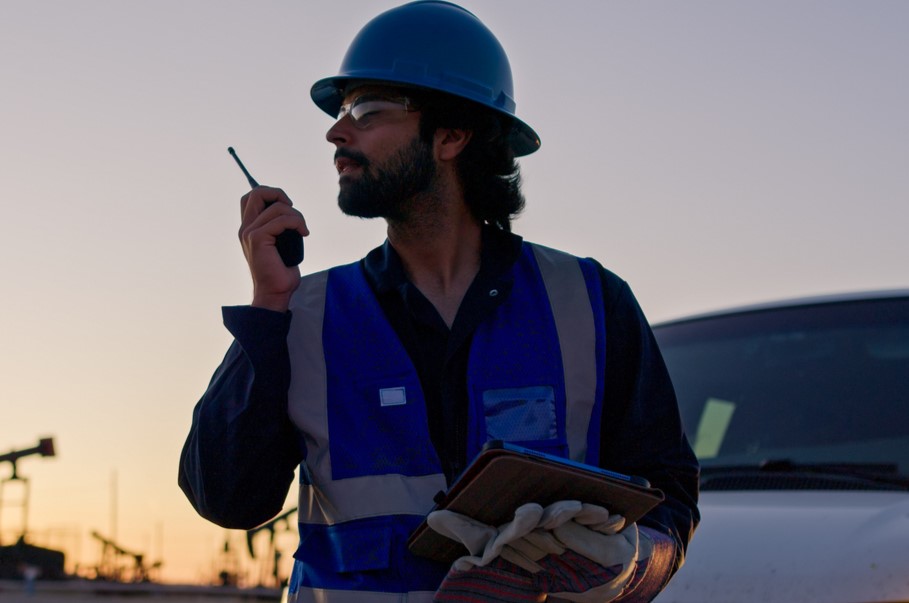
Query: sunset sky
x=711 y=153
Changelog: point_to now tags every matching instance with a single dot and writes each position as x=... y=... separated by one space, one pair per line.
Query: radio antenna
x=249 y=178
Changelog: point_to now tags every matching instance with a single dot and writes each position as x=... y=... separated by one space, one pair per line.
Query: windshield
x=820 y=384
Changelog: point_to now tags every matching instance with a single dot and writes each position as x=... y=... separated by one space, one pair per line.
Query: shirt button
x=493 y=292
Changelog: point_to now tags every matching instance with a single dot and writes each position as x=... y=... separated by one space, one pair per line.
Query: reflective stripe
x=343 y=500
x=322 y=595
x=304 y=345
x=577 y=338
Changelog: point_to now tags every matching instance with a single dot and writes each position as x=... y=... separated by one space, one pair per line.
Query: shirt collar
x=499 y=251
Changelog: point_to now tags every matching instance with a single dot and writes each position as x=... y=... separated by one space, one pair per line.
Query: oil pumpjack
x=269 y=570
x=14 y=558
x=111 y=569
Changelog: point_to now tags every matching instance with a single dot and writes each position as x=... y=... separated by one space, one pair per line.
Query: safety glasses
x=369 y=109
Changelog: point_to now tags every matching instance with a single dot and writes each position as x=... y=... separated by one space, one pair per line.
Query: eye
x=364 y=109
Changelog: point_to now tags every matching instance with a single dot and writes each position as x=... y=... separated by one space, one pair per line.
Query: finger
x=605 y=549
x=267 y=226
x=526 y=518
x=266 y=235
x=519 y=558
x=592 y=514
x=612 y=525
x=283 y=216
x=545 y=541
x=558 y=513
x=598 y=518
x=473 y=534
x=255 y=201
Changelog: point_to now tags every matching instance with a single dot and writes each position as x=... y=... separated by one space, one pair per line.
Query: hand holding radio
x=290 y=242
x=269 y=224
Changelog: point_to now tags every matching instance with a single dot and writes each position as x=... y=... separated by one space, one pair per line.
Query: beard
x=386 y=191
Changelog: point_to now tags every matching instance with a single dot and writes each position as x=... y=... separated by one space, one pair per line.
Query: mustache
x=359 y=158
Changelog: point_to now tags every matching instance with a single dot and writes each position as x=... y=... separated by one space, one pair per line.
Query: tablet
x=505 y=476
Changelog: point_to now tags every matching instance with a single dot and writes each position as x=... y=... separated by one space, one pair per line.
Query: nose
x=339 y=133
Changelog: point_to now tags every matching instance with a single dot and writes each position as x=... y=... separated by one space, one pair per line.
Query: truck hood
x=807 y=546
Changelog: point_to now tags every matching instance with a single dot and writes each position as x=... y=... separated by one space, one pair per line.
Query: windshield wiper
x=878 y=473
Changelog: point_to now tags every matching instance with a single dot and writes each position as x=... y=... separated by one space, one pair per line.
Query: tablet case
x=504 y=476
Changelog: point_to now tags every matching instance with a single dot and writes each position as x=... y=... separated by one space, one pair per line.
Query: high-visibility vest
x=535 y=377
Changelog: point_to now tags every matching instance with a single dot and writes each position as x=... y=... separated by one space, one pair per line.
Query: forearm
x=642 y=432
x=652 y=573
x=239 y=458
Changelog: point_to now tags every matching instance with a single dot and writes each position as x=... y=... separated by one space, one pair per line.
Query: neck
x=441 y=255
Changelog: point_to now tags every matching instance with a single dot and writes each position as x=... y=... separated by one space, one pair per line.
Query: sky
x=710 y=153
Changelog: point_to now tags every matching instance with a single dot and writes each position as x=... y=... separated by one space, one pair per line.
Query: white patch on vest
x=392 y=396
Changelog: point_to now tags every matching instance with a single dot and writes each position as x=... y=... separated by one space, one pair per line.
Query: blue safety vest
x=535 y=377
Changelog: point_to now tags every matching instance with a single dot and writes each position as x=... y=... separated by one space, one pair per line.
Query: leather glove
x=484 y=542
x=573 y=551
x=599 y=546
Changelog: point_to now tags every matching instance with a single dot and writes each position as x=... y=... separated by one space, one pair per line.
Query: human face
x=382 y=162
x=384 y=190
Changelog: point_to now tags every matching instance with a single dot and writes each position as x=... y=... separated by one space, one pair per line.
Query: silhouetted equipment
x=283 y=521
x=13 y=559
x=45 y=447
x=110 y=567
x=229 y=574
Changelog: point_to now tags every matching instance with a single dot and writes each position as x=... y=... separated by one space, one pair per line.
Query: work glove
x=485 y=575
x=600 y=549
x=572 y=551
x=484 y=542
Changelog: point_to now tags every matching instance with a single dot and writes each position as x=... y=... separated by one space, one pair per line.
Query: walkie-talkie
x=289 y=242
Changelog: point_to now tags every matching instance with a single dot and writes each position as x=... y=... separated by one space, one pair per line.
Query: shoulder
x=616 y=291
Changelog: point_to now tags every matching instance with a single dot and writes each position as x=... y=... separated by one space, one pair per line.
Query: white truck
x=799 y=414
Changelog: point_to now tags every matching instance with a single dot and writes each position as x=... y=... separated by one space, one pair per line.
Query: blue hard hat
x=436 y=45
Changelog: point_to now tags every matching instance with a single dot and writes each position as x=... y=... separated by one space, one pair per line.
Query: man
x=382 y=379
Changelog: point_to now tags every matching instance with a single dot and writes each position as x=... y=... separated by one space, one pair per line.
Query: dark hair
x=489 y=175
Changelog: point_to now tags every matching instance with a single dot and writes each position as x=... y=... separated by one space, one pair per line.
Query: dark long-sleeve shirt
x=241 y=453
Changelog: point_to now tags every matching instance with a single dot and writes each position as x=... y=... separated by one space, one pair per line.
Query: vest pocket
x=366 y=419
x=526 y=416
x=355 y=546
x=521 y=414
x=363 y=547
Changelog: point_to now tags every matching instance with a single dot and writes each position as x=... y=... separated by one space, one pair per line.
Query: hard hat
x=436 y=45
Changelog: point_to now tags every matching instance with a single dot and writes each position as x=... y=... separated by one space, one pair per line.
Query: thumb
x=460 y=528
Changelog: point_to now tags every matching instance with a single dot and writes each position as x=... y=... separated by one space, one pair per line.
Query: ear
x=449 y=142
